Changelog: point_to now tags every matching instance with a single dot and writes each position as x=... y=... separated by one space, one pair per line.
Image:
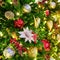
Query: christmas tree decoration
x=47 y=12
x=50 y=25
x=27 y=8
x=40 y=49
x=52 y=5
x=58 y=0
x=19 y=23
x=8 y=52
x=32 y=52
x=40 y=1
x=0 y=57
x=46 y=44
x=36 y=22
x=34 y=37
x=27 y=34
x=14 y=35
x=9 y=14
x=15 y=2
x=47 y=57
x=1 y=2
x=59 y=21
x=51 y=58
x=1 y=34
x=18 y=45
x=58 y=37
x=32 y=27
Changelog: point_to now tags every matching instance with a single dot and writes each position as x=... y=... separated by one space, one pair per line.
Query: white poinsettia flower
x=27 y=34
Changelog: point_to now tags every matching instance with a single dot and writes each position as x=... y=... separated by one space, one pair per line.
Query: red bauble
x=46 y=44
x=19 y=23
x=47 y=12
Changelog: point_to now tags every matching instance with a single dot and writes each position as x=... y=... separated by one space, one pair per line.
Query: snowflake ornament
x=27 y=34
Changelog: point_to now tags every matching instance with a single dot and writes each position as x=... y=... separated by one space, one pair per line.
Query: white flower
x=27 y=34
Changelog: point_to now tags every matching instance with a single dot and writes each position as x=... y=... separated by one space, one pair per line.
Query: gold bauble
x=14 y=35
x=8 y=52
x=26 y=8
x=32 y=52
x=9 y=14
x=36 y=22
x=50 y=25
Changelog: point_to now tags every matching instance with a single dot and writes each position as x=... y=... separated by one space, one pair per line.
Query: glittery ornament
x=58 y=37
x=50 y=24
x=9 y=14
x=52 y=5
x=14 y=35
x=32 y=52
x=27 y=8
x=8 y=52
x=36 y=22
x=19 y=23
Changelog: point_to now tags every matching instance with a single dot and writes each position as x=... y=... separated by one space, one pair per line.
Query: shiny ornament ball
x=32 y=52
x=9 y=14
x=8 y=52
x=52 y=5
x=27 y=8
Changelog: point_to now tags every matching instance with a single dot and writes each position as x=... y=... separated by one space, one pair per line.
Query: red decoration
x=43 y=1
x=47 y=57
x=34 y=37
x=47 y=12
x=19 y=47
x=56 y=26
x=46 y=44
x=19 y=23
